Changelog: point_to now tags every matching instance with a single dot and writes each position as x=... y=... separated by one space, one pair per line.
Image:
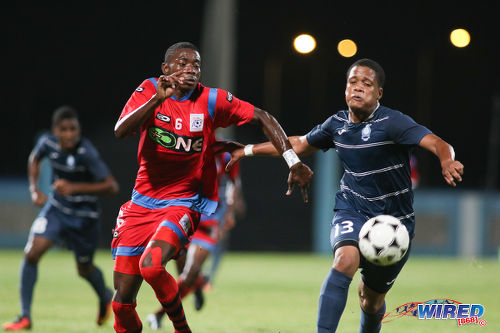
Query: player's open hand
x=167 y=84
x=236 y=150
x=300 y=174
x=452 y=171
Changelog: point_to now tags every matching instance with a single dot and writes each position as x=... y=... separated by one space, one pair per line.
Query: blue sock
x=371 y=322
x=97 y=281
x=332 y=300
x=29 y=274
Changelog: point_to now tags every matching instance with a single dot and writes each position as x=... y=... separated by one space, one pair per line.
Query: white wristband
x=248 y=150
x=290 y=157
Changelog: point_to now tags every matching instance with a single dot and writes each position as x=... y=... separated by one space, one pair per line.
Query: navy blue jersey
x=376 y=159
x=84 y=165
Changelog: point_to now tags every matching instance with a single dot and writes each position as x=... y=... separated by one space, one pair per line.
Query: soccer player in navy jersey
x=374 y=143
x=69 y=213
x=176 y=117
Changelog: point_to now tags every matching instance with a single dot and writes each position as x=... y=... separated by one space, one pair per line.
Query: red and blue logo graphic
x=440 y=309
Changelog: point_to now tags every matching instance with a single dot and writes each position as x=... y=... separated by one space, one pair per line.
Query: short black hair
x=63 y=112
x=379 y=71
x=180 y=45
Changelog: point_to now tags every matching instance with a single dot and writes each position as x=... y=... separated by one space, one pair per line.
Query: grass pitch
x=256 y=293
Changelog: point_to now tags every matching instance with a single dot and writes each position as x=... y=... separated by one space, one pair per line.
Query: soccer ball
x=383 y=240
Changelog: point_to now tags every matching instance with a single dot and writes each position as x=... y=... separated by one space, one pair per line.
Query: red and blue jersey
x=176 y=163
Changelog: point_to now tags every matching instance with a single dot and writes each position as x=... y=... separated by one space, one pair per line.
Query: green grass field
x=256 y=293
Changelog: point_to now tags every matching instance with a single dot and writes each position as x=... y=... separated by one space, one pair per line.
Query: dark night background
x=93 y=57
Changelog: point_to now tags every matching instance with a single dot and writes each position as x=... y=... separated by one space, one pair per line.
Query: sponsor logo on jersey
x=229 y=97
x=196 y=122
x=140 y=89
x=365 y=132
x=162 y=117
x=176 y=142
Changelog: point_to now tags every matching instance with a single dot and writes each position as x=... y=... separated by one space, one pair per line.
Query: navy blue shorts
x=79 y=234
x=346 y=225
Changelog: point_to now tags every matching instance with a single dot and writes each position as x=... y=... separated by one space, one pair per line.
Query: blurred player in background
x=374 y=144
x=210 y=231
x=176 y=117
x=70 y=213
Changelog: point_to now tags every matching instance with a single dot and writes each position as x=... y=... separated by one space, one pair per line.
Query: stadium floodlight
x=304 y=43
x=460 y=37
x=347 y=48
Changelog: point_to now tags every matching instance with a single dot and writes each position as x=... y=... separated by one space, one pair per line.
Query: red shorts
x=205 y=235
x=136 y=226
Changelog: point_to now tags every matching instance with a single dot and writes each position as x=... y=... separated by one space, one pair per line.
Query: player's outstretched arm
x=451 y=169
x=299 y=172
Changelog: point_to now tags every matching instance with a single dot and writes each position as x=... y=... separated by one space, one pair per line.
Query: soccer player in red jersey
x=176 y=117
x=203 y=243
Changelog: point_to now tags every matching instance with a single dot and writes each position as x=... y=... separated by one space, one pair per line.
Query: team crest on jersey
x=176 y=142
x=366 y=132
x=70 y=161
x=196 y=122
x=229 y=97
x=162 y=117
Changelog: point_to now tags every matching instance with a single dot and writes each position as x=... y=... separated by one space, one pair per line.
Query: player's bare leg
x=34 y=250
x=124 y=302
x=372 y=309
x=333 y=296
x=191 y=279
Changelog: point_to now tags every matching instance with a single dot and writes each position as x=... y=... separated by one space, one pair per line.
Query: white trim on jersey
x=65 y=168
x=80 y=198
x=406 y=216
x=368 y=145
x=370 y=172
x=381 y=197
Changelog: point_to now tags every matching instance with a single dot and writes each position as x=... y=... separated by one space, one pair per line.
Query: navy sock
x=97 y=281
x=332 y=301
x=371 y=322
x=29 y=274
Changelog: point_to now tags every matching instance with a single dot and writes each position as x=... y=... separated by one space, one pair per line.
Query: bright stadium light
x=304 y=43
x=460 y=37
x=347 y=48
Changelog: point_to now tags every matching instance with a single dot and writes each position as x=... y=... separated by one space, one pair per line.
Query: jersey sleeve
x=321 y=136
x=94 y=162
x=40 y=150
x=141 y=95
x=230 y=110
x=404 y=130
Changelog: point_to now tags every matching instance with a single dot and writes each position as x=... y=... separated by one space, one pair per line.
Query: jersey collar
x=370 y=117
x=183 y=98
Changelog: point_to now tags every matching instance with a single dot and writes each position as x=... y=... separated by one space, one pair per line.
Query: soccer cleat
x=104 y=310
x=154 y=321
x=199 y=299
x=21 y=323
